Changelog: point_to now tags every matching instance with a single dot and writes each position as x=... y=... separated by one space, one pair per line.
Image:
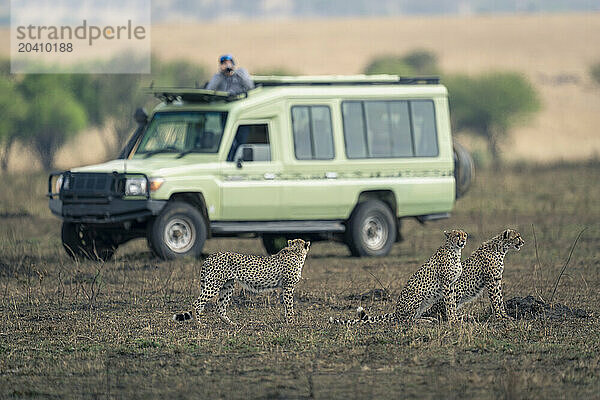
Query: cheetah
x=257 y=274
x=432 y=282
x=483 y=270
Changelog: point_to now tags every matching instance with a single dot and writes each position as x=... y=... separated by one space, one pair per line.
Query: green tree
x=490 y=105
x=53 y=116
x=180 y=73
x=4 y=67
x=111 y=100
x=12 y=111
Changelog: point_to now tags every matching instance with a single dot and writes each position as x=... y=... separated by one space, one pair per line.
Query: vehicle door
x=250 y=176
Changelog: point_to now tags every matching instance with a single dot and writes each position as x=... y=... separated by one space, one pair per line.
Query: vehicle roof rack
x=316 y=80
x=197 y=95
x=193 y=95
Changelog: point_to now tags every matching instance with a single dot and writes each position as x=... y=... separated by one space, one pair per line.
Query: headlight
x=136 y=186
x=62 y=182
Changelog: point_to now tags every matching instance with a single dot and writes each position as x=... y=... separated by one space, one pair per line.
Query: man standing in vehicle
x=229 y=78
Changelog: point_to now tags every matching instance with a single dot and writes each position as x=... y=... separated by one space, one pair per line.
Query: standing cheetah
x=432 y=282
x=483 y=270
x=257 y=274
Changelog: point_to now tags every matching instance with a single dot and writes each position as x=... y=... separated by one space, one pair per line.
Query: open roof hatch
x=193 y=95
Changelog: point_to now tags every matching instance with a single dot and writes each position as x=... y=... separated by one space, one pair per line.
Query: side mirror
x=247 y=155
x=140 y=116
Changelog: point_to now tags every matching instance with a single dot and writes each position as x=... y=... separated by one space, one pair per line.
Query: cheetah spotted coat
x=432 y=282
x=483 y=270
x=257 y=274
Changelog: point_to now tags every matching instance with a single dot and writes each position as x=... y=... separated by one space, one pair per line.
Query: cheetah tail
x=183 y=316
x=364 y=318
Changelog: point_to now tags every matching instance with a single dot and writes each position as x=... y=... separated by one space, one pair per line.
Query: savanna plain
x=88 y=330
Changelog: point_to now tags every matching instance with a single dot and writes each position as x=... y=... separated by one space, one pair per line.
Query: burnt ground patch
x=531 y=308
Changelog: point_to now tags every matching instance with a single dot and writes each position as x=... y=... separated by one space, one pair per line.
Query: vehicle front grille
x=87 y=185
x=90 y=182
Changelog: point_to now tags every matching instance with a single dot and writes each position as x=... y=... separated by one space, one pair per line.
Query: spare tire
x=464 y=169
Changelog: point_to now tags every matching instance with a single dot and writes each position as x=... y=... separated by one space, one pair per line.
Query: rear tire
x=81 y=242
x=371 y=230
x=178 y=231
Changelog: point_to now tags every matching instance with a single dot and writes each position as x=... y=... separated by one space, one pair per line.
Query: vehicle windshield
x=183 y=132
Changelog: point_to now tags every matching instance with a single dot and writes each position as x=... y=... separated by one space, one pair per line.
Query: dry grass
x=87 y=330
x=554 y=50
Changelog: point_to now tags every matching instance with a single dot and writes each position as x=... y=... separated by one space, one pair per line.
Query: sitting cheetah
x=483 y=270
x=432 y=282
x=257 y=274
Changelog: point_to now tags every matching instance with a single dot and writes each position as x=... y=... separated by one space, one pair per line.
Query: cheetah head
x=456 y=237
x=299 y=244
x=512 y=239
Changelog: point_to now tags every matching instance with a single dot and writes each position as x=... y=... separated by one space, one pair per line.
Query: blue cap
x=226 y=57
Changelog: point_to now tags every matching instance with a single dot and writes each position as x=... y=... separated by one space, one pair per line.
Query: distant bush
x=417 y=62
x=490 y=105
x=422 y=61
x=394 y=65
x=595 y=72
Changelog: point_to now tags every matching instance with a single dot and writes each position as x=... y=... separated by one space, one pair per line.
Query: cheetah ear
x=290 y=242
x=506 y=234
x=307 y=245
x=447 y=234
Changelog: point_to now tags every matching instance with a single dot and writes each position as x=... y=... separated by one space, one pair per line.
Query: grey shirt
x=237 y=83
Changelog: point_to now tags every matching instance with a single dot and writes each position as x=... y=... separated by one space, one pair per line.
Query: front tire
x=81 y=242
x=371 y=230
x=274 y=243
x=179 y=231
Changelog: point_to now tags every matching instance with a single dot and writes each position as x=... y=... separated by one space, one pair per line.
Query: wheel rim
x=179 y=235
x=374 y=232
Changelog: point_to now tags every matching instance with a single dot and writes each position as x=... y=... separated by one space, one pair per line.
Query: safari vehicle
x=321 y=157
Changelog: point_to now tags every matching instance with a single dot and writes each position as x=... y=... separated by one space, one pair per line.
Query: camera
x=229 y=70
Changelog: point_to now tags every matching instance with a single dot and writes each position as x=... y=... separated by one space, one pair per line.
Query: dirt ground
x=87 y=330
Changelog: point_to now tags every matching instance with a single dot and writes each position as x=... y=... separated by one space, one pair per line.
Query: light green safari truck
x=341 y=158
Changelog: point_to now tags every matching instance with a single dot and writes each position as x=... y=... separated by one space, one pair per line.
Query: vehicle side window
x=251 y=143
x=402 y=142
x=423 y=118
x=354 y=129
x=384 y=129
x=313 y=136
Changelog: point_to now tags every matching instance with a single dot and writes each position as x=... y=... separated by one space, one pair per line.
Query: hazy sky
x=183 y=10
